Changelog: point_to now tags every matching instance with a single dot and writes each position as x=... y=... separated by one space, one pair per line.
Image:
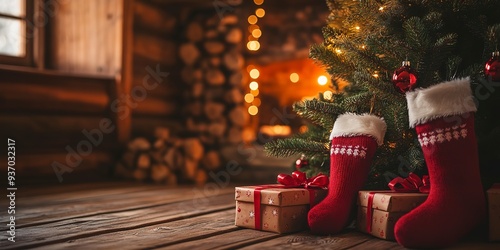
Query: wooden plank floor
x=134 y=216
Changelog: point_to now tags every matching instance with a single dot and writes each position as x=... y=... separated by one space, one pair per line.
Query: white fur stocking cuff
x=349 y=125
x=441 y=100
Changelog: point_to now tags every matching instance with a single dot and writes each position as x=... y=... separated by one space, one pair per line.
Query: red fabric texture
x=348 y=173
x=456 y=202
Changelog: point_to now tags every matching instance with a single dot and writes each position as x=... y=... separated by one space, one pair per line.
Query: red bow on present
x=299 y=179
x=412 y=183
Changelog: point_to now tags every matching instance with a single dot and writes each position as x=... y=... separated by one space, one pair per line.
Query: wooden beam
x=125 y=81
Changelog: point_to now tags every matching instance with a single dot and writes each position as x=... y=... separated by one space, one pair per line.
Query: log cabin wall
x=52 y=109
x=199 y=103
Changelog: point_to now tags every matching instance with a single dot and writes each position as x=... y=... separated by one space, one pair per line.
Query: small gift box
x=494 y=211
x=277 y=208
x=378 y=211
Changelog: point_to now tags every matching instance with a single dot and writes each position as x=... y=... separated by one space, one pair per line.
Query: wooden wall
x=47 y=109
x=47 y=112
x=84 y=36
x=154 y=46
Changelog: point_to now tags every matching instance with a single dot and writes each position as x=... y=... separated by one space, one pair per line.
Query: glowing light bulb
x=253 y=110
x=357 y=27
x=294 y=77
x=249 y=98
x=328 y=95
x=256 y=33
x=258 y=2
x=252 y=19
x=254 y=85
x=260 y=12
x=338 y=51
x=322 y=80
x=253 y=45
x=254 y=73
x=381 y=8
x=256 y=102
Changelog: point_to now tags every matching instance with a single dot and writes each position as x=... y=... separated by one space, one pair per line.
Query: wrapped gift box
x=387 y=208
x=282 y=210
x=494 y=211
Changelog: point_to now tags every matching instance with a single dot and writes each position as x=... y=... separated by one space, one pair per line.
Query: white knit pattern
x=350 y=150
x=442 y=135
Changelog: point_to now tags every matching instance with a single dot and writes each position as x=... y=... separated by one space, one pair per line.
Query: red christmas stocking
x=354 y=141
x=444 y=120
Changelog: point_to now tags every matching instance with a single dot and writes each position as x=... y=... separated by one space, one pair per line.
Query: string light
x=322 y=80
x=328 y=95
x=381 y=8
x=252 y=27
x=254 y=85
x=256 y=33
x=338 y=51
x=294 y=77
x=254 y=73
x=254 y=92
x=258 y=2
x=375 y=75
x=253 y=110
x=252 y=19
x=249 y=98
x=357 y=27
x=363 y=46
x=253 y=45
x=256 y=102
x=260 y=12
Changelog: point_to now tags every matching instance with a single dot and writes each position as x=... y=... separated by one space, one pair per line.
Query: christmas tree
x=365 y=42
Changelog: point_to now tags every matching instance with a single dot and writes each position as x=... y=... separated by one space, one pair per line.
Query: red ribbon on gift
x=413 y=183
x=299 y=179
x=296 y=180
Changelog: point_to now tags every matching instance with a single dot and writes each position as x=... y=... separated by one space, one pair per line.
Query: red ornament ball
x=302 y=162
x=405 y=78
x=492 y=67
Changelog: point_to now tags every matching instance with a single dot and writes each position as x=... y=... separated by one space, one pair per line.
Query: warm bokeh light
x=303 y=129
x=252 y=19
x=253 y=110
x=253 y=27
x=256 y=33
x=256 y=102
x=381 y=8
x=328 y=95
x=254 y=85
x=250 y=67
x=294 y=77
x=258 y=2
x=375 y=75
x=253 y=45
x=357 y=27
x=363 y=46
x=322 y=80
x=254 y=92
x=249 y=98
x=260 y=12
x=338 y=51
x=254 y=73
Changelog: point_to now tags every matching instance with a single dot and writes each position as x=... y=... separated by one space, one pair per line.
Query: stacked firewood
x=212 y=72
x=167 y=159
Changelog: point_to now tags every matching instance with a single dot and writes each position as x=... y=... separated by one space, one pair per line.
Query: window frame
x=31 y=32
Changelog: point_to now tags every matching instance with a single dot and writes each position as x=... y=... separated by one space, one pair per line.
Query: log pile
x=212 y=56
x=167 y=159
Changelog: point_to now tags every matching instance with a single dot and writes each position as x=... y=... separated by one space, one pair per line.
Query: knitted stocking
x=444 y=120
x=354 y=141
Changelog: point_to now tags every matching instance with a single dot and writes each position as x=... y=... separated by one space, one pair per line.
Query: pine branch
x=291 y=146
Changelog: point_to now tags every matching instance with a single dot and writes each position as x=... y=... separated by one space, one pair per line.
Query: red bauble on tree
x=405 y=78
x=302 y=162
x=492 y=67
